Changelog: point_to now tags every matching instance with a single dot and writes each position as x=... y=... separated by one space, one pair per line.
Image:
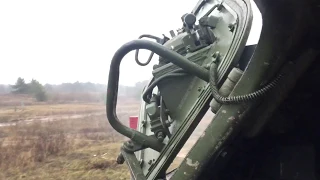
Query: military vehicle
x=264 y=96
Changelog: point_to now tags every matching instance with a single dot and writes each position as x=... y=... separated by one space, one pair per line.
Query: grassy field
x=60 y=141
x=65 y=140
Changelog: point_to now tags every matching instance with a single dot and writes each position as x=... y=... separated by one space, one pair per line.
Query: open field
x=60 y=141
x=65 y=140
x=77 y=149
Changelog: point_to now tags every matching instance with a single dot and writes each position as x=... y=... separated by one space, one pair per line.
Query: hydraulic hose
x=151 y=54
x=113 y=82
x=237 y=99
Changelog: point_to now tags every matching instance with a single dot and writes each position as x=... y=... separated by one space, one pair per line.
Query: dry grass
x=73 y=149
x=74 y=141
x=15 y=100
x=65 y=141
x=56 y=111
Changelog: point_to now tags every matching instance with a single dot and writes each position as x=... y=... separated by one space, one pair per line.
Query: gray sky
x=74 y=40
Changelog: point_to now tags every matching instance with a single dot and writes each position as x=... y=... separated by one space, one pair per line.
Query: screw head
x=160 y=136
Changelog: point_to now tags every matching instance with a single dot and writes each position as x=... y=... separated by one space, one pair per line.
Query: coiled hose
x=241 y=98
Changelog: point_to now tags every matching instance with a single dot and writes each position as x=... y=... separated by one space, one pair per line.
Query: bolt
x=207 y=66
x=199 y=89
x=201 y=20
x=188 y=48
x=231 y=27
x=216 y=57
x=223 y=154
x=220 y=7
x=144 y=123
x=129 y=144
x=150 y=162
x=160 y=136
x=120 y=159
x=216 y=54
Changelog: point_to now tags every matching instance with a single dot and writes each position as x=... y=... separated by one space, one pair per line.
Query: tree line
x=40 y=92
x=33 y=87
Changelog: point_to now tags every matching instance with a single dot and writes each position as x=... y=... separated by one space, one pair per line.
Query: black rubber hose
x=148 y=91
x=141 y=63
x=151 y=54
x=113 y=83
x=241 y=98
x=150 y=36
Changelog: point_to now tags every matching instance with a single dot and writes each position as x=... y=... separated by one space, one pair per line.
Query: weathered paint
x=190 y=163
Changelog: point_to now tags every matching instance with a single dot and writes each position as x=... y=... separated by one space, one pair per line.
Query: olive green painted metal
x=195 y=94
x=195 y=101
x=226 y=88
x=144 y=140
x=277 y=42
x=229 y=118
x=201 y=104
x=200 y=154
x=133 y=164
x=193 y=104
x=294 y=71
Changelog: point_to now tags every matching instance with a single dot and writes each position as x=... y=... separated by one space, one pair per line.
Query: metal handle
x=112 y=91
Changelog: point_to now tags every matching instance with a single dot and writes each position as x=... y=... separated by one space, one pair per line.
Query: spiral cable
x=241 y=98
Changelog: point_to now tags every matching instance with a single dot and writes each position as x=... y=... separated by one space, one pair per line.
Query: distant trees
x=76 y=91
x=76 y=87
x=132 y=91
x=37 y=90
x=34 y=88
x=139 y=86
x=20 y=87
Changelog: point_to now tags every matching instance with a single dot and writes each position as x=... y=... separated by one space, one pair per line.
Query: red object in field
x=133 y=122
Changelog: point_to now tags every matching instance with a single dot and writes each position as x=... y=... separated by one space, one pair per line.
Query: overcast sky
x=74 y=40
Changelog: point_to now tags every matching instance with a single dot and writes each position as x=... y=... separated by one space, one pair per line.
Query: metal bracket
x=133 y=164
